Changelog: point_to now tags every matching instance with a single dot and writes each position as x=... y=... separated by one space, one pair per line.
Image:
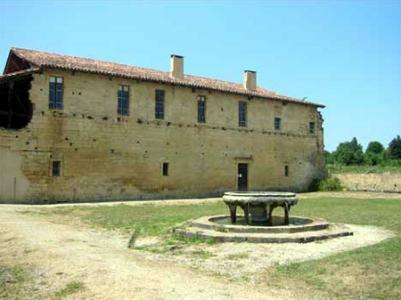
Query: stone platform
x=299 y=230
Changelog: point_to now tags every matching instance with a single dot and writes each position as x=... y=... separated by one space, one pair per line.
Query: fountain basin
x=259 y=205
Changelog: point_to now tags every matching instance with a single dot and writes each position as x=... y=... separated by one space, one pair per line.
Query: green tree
x=394 y=148
x=328 y=157
x=375 y=147
x=374 y=153
x=349 y=153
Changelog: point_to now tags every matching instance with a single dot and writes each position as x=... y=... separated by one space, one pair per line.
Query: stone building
x=77 y=129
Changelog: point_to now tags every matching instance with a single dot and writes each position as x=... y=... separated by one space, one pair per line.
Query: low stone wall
x=385 y=182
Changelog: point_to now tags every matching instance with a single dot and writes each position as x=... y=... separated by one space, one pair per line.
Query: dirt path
x=101 y=261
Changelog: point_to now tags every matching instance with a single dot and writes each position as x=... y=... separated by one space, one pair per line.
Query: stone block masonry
x=105 y=156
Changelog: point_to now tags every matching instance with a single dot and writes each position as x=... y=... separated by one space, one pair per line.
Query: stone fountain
x=259 y=205
x=258 y=225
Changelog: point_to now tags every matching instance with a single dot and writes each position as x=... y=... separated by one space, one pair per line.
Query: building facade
x=74 y=129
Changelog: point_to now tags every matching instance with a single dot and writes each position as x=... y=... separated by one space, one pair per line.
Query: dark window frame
x=242 y=114
x=165 y=167
x=277 y=123
x=201 y=109
x=56 y=92
x=286 y=171
x=123 y=100
x=56 y=168
x=159 y=104
x=312 y=127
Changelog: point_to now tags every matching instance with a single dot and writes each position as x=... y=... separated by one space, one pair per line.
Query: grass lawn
x=145 y=219
x=13 y=282
x=372 y=272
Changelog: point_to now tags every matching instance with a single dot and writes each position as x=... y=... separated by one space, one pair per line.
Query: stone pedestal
x=259 y=214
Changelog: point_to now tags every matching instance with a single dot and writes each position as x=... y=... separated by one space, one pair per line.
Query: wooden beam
x=20 y=103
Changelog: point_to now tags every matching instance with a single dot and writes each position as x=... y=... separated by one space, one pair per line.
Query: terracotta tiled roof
x=10 y=76
x=51 y=60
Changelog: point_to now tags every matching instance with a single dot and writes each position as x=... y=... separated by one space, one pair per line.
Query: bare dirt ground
x=60 y=254
x=239 y=261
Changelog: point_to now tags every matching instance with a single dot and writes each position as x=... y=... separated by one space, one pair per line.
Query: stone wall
x=108 y=157
x=386 y=182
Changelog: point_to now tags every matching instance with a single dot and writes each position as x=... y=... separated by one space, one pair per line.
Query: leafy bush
x=329 y=184
x=374 y=159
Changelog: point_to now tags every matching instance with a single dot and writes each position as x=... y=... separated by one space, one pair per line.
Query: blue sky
x=344 y=54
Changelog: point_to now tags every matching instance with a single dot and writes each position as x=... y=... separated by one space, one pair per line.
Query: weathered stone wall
x=108 y=157
x=385 y=182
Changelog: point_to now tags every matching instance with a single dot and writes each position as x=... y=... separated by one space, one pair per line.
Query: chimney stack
x=177 y=66
x=250 y=80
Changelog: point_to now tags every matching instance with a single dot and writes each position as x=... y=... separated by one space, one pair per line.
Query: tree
x=349 y=153
x=328 y=157
x=374 y=153
x=394 y=148
x=375 y=148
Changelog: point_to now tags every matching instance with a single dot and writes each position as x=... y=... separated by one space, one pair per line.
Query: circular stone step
x=304 y=237
x=300 y=230
x=297 y=224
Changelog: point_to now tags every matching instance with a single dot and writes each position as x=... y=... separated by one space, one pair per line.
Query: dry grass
x=368 y=272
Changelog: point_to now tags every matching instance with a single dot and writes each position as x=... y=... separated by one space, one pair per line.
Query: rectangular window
x=242 y=114
x=286 y=171
x=165 y=169
x=56 y=168
x=56 y=93
x=277 y=123
x=311 y=127
x=201 y=109
x=159 y=104
x=123 y=100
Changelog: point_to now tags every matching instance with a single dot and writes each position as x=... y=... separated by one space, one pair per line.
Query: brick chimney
x=249 y=80
x=177 y=66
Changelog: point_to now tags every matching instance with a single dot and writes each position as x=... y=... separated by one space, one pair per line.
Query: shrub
x=330 y=184
x=374 y=159
x=314 y=185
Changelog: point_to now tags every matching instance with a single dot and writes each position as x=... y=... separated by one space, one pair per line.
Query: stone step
x=304 y=224
x=298 y=237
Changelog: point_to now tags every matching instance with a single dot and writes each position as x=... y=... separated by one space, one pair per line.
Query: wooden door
x=242 y=177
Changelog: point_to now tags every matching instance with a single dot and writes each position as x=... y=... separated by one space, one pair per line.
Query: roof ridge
x=87 y=58
x=125 y=65
x=85 y=64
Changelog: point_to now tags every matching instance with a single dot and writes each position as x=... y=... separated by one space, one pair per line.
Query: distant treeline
x=349 y=157
x=351 y=153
